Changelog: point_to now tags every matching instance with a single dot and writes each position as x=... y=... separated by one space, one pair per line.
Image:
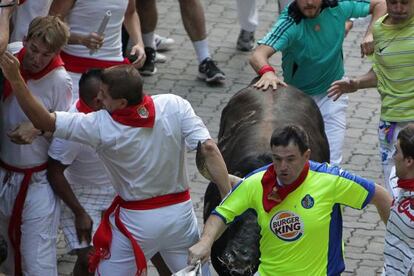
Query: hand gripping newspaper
x=191 y=270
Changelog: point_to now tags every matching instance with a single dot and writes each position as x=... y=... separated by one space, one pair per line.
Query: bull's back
x=248 y=120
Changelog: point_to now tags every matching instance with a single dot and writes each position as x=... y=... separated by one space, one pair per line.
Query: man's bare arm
x=260 y=58
x=346 y=85
x=5 y=14
x=213 y=229
x=61 y=187
x=377 y=9
x=382 y=201
x=216 y=166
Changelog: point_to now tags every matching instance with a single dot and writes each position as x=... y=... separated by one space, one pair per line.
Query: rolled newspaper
x=101 y=29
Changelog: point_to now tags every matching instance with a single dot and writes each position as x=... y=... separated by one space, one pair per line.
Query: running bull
x=246 y=126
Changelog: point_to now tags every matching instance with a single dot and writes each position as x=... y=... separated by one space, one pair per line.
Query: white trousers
x=334 y=118
x=169 y=230
x=39 y=224
x=247 y=13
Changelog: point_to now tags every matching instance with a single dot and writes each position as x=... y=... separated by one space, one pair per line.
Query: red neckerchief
x=81 y=106
x=272 y=189
x=407 y=184
x=54 y=63
x=141 y=115
x=21 y=2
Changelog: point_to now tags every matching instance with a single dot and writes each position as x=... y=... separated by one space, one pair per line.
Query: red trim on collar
x=81 y=106
x=407 y=184
x=141 y=115
x=273 y=193
x=54 y=63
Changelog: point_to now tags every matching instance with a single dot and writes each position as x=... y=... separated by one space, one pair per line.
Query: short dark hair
x=284 y=135
x=406 y=138
x=85 y=92
x=124 y=82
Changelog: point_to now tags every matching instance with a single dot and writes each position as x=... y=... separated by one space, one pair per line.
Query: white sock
x=149 y=40
x=201 y=48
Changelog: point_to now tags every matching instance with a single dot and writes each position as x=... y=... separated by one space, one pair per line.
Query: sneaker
x=245 y=42
x=160 y=58
x=149 y=69
x=163 y=43
x=208 y=71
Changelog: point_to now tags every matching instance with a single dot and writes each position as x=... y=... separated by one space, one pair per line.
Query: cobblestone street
x=363 y=230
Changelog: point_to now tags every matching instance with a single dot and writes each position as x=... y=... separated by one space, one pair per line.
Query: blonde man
x=29 y=211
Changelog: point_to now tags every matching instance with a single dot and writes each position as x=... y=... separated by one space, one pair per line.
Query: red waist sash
x=80 y=65
x=15 y=223
x=103 y=235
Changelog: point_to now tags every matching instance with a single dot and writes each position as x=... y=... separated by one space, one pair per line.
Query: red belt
x=15 y=223
x=103 y=235
x=80 y=65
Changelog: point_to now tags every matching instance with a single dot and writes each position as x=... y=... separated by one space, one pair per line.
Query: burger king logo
x=287 y=226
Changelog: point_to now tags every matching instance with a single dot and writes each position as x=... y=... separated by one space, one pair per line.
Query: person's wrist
x=79 y=211
x=354 y=83
x=16 y=80
x=265 y=69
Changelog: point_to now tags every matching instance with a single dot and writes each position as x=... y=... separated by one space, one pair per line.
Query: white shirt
x=24 y=14
x=86 y=16
x=85 y=172
x=142 y=162
x=54 y=92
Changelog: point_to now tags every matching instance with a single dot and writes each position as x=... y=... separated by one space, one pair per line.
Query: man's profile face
x=309 y=8
x=400 y=10
x=400 y=168
x=288 y=162
x=93 y=87
x=38 y=55
x=107 y=101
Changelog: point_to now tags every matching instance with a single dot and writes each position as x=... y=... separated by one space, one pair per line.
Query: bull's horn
x=201 y=163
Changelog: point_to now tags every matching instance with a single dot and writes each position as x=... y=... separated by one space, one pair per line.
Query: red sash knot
x=103 y=236
x=15 y=223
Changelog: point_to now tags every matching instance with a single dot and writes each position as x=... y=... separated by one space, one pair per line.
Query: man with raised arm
x=310 y=33
x=29 y=211
x=142 y=141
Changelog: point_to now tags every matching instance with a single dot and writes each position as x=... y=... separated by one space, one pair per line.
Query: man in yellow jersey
x=392 y=74
x=298 y=206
